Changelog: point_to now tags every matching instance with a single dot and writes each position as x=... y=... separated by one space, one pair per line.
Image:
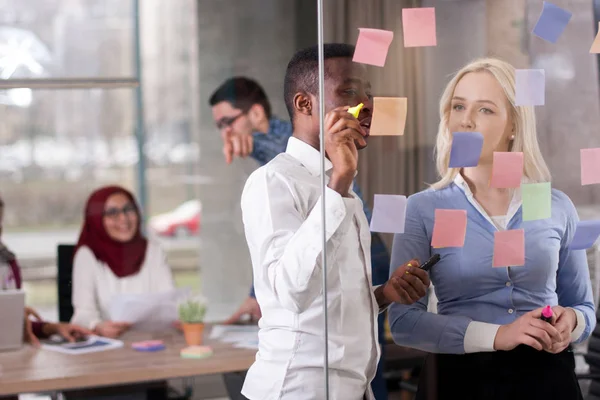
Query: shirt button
x=508 y=284
x=510 y=310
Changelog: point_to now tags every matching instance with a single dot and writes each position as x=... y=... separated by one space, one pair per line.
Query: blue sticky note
x=466 y=149
x=586 y=234
x=552 y=22
x=530 y=87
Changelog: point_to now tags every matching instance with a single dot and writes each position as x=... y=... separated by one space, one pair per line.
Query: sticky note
x=372 y=46
x=507 y=170
x=196 y=352
x=389 y=116
x=595 y=49
x=389 y=213
x=509 y=248
x=449 y=228
x=552 y=22
x=590 y=166
x=537 y=199
x=466 y=149
x=531 y=87
x=355 y=111
x=418 y=26
x=586 y=234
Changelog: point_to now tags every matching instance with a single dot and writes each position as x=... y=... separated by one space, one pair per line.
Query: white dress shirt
x=94 y=283
x=281 y=208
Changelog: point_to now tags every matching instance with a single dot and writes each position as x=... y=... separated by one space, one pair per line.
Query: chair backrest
x=64 y=260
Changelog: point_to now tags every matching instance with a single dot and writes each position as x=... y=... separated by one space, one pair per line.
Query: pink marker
x=547 y=314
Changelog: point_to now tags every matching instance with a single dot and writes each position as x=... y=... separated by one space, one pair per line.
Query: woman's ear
x=303 y=103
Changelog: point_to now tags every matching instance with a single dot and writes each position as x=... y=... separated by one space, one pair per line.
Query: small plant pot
x=193 y=333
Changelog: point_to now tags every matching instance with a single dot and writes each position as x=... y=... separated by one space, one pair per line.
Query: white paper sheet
x=93 y=344
x=149 y=311
x=241 y=336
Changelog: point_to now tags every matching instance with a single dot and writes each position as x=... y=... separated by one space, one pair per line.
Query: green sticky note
x=537 y=199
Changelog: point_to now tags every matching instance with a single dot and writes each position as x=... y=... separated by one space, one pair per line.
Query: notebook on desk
x=12 y=311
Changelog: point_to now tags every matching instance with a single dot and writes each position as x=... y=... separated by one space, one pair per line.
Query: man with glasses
x=242 y=113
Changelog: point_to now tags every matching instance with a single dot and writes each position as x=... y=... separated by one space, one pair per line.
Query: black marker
x=430 y=263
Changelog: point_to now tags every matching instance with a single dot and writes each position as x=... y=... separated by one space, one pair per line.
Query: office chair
x=64 y=260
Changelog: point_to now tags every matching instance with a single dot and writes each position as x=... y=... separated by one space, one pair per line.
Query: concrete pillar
x=255 y=38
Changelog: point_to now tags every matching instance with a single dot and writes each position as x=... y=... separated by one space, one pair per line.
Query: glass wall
x=75 y=115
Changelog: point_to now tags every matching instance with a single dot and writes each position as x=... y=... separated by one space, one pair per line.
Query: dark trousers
x=520 y=374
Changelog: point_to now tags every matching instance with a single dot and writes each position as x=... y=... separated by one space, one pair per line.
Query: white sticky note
x=531 y=87
x=389 y=214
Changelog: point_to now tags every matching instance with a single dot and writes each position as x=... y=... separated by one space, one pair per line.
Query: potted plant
x=191 y=315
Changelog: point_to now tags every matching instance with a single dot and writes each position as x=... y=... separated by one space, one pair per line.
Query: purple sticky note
x=552 y=22
x=389 y=213
x=586 y=234
x=531 y=87
x=466 y=149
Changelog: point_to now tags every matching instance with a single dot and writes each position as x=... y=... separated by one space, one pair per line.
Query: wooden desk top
x=29 y=370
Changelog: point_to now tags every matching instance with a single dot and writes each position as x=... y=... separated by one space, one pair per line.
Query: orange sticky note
x=418 y=25
x=590 y=166
x=389 y=116
x=595 y=49
x=449 y=228
x=509 y=248
x=372 y=46
x=507 y=170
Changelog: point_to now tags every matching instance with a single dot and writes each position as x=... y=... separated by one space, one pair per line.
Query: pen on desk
x=547 y=314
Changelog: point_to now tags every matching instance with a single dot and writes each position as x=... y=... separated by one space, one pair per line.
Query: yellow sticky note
x=596 y=45
x=389 y=116
x=356 y=110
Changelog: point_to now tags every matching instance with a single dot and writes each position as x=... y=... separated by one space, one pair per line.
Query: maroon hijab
x=124 y=259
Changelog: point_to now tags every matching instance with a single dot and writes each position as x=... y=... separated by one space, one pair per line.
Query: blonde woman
x=488 y=335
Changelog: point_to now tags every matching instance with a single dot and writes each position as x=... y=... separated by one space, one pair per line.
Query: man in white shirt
x=281 y=206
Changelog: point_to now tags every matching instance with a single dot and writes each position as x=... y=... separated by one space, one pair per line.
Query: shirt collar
x=462 y=184
x=307 y=155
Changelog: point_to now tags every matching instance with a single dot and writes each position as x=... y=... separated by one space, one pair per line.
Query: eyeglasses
x=226 y=122
x=114 y=212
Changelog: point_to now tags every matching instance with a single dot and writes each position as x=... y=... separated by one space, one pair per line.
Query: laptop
x=12 y=310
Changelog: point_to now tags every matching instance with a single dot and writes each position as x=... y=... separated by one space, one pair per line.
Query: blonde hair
x=523 y=118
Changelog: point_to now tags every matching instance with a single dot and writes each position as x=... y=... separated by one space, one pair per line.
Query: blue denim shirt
x=269 y=145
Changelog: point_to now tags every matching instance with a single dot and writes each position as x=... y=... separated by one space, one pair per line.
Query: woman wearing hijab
x=112 y=257
x=10 y=278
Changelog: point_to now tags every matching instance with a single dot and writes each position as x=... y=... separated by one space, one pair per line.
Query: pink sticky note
x=418 y=25
x=372 y=46
x=590 y=166
x=507 y=170
x=449 y=228
x=509 y=248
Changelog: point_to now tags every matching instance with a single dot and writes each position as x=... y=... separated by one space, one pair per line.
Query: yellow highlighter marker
x=356 y=110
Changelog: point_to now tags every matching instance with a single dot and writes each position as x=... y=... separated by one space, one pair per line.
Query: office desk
x=29 y=370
